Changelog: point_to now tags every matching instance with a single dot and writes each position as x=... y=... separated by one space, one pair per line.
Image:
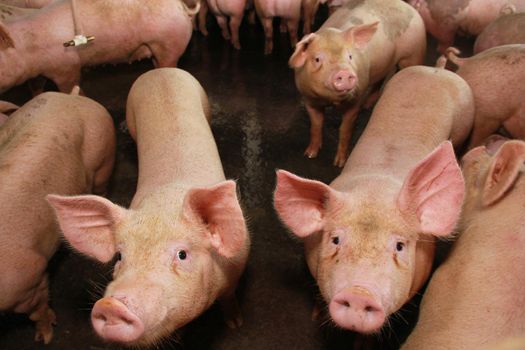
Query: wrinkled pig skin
x=35 y=4
x=506 y=30
x=55 y=143
x=474 y=299
x=183 y=242
x=288 y=10
x=444 y=18
x=113 y=23
x=232 y=10
x=357 y=47
x=499 y=102
x=369 y=236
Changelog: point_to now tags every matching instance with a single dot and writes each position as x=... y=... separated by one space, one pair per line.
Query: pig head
x=371 y=248
x=171 y=256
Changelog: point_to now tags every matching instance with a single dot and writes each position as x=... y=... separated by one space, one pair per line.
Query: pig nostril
x=346 y=304
x=369 y=309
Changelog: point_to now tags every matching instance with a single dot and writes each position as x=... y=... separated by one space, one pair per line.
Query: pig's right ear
x=504 y=171
x=301 y=203
x=88 y=223
x=5 y=39
x=299 y=56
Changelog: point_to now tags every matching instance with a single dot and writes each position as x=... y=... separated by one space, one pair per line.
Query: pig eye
x=335 y=240
x=182 y=255
x=400 y=246
x=350 y=56
x=119 y=256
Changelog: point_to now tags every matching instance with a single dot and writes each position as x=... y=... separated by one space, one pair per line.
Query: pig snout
x=343 y=81
x=114 y=322
x=355 y=309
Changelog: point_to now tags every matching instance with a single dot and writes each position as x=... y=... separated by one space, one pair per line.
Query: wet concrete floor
x=260 y=125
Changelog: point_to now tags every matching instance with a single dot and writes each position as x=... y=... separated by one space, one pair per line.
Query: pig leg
x=282 y=26
x=203 y=13
x=292 y=25
x=231 y=311
x=223 y=24
x=251 y=17
x=235 y=23
x=268 y=35
x=316 y=131
x=309 y=11
x=345 y=134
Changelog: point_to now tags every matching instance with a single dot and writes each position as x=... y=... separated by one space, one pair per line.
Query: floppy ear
x=361 y=35
x=5 y=39
x=301 y=203
x=433 y=191
x=504 y=171
x=218 y=208
x=88 y=223
x=299 y=56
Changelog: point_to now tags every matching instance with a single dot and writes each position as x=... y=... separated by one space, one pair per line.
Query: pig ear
x=5 y=39
x=361 y=35
x=433 y=191
x=299 y=56
x=88 y=223
x=301 y=203
x=504 y=171
x=218 y=208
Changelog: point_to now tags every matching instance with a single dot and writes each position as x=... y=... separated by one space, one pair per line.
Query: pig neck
x=176 y=149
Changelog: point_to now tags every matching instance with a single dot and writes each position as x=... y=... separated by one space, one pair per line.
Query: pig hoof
x=237 y=46
x=44 y=328
x=340 y=161
x=311 y=152
x=234 y=322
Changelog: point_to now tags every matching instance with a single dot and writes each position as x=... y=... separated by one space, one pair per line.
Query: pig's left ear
x=360 y=35
x=433 y=191
x=298 y=58
x=217 y=207
x=504 y=171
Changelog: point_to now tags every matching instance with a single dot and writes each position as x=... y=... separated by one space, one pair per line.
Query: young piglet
x=183 y=242
x=232 y=10
x=444 y=18
x=55 y=143
x=369 y=236
x=496 y=78
x=475 y=298
x=166 y=31
x=357 y=47
x=508 y=29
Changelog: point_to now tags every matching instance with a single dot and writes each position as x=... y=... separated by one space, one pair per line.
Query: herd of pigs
x=369 y=235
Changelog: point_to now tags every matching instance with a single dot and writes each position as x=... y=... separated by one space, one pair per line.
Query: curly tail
x=192 y=11
x=441 y=62
x=451 y=54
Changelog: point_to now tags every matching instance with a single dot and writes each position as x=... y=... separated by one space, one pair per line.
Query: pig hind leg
x=268 y=35
x=223 y=24
x=316 y=131
x=292 y=25
x=345 y=135
x=235 y=23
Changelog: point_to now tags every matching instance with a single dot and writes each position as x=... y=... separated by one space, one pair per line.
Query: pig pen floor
x=260 y=125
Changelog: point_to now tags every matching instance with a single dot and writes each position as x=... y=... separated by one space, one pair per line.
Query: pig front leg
x=65 y=79
x=223 y=24
x=316 y=130
x=268 y=34
x=231 y=311
x=235 y=23
x=292 y=25
x=202 y=18
x=345 y=135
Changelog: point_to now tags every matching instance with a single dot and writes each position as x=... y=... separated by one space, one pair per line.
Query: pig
x=310 y=8
x=183 y=242
x=36 y=4
x=290 y=13
x=8 y=12
x=444 y=18
x=6 y=108
x=232 y=9
x=369 y=235
x=508 y=29
x=474 y=299
x=357 y=47
x=199 y=21
x=511 y=343
x=55 y=143
x=501 y=102
x=111 y=22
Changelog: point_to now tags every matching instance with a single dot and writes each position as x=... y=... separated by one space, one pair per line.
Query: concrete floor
x=260 y=125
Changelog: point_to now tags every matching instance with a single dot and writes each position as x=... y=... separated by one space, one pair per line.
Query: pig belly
x=284 y=8
x=227 y=7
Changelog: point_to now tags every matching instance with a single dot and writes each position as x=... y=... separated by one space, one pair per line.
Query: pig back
x=167 y=115
x=419 y=108
x=53 y=144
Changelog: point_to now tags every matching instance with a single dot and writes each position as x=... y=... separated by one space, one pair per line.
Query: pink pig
x=183 y=242
x=55 y=143
x=288 y=10
x=501 y=102
x=165 y=30
x=357 y=47
x=475 y=298
x=369 y=236
x=232 y=9
x=444 y=18
x=508 y=29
